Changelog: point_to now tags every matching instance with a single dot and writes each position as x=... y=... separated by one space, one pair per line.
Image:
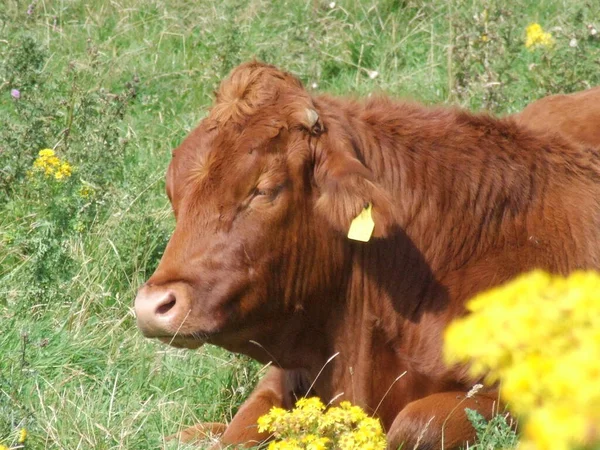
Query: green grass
x=114 y=86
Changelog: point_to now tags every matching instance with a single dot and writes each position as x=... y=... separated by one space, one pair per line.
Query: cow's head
x=263 y=192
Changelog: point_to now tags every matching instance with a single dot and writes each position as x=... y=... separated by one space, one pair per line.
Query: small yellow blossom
x=51 y=165
x=64 y=171
x=288 y=444
x=269 y=420
x=22 y=436
x=537 y=37
x=86 y=191
x=539 y=335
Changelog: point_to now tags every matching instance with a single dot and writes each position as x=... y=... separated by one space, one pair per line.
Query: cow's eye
x=268 y=193
x=258 y=192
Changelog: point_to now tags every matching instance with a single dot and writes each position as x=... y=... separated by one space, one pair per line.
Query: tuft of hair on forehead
x=249 y=87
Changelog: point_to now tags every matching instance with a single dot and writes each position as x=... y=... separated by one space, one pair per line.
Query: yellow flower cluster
x=309 y=426
x=540 y=337
x=51 y=165
x=22 y=437
x=537 y=37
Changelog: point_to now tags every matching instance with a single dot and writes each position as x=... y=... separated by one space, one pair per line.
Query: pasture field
x=111 y=87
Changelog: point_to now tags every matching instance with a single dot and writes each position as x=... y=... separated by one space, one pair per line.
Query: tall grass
x=112 y=87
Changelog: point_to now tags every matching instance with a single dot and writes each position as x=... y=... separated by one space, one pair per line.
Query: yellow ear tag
x=362 y=226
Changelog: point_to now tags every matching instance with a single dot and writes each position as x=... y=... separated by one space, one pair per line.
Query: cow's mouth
x=191 y=342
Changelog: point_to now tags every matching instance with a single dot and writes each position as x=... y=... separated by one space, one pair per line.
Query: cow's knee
x=414 y=429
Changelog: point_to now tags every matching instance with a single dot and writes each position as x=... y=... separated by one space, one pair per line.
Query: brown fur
x=576 y=116
x=259 y=262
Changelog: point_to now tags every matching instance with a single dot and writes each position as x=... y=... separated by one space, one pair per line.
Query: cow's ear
x=304 y=114
x=348 y=195
x=312 y=122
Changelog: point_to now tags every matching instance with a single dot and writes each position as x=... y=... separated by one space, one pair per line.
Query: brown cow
x=576 y=116
x=264 y=191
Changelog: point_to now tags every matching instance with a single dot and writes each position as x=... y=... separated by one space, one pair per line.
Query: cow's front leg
x=270 y=391
x=440 y=419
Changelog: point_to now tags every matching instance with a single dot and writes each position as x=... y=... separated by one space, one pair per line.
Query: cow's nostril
x=167 y=304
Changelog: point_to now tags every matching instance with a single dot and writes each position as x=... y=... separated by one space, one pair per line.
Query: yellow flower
x=271 y=420
x=22 y=436
x=50 y=164
x=537 y=37
x=312 y=403
x=314 y=442
x=539 y=335
x=64 y=171
x=309 y=426
x=555 y=428
x=286 y=444
x=86 y=191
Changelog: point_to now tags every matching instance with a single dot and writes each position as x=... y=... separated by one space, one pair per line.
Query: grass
x=113 y=86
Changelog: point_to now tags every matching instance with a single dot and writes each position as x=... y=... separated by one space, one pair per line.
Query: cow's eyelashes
x=260 y=192
x=270 y=193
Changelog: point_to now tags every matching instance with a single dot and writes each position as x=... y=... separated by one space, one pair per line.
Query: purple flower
x=15 y=93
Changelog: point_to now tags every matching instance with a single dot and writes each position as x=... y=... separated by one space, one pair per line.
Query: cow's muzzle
x=164 y=311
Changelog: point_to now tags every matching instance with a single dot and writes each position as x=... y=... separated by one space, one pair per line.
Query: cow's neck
x=372 y=346
x=374 y=338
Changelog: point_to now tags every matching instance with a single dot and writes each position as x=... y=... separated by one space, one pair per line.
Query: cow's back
x=576 y=116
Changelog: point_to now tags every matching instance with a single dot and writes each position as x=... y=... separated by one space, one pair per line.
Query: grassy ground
x=112 y=86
